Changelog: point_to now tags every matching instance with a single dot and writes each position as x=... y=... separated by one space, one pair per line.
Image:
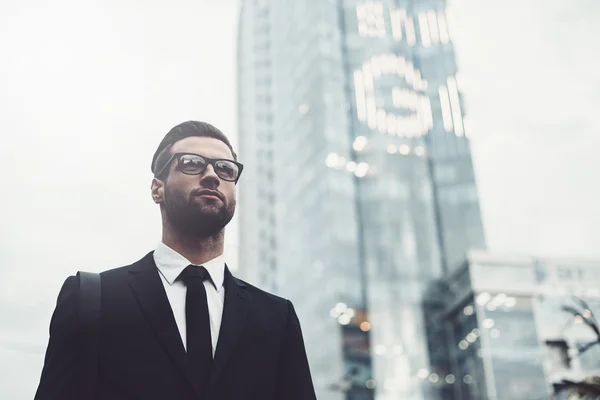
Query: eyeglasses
x=195 y=164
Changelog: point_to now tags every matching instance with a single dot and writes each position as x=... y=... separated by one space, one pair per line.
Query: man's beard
x=191 y=218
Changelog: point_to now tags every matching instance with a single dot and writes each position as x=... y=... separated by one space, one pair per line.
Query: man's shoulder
x=145 y=263
x=261 y=294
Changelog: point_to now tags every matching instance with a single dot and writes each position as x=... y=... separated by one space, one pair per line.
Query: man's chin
x=208 y=216
x=208 y=212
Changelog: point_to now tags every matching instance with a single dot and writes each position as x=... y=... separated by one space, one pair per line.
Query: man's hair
x=182 y=131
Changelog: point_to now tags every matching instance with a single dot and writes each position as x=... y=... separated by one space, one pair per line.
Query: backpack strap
x=89 y=319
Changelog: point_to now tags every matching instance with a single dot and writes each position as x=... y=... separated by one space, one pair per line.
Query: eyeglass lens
x=195 y=164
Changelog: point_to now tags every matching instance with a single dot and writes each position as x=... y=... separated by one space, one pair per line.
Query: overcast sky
x=88 y=90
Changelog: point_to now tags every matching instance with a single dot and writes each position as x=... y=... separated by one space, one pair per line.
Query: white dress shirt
x=170 y=264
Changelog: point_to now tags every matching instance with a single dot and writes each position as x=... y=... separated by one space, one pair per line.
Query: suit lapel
x=152 y=298
x=237 y=300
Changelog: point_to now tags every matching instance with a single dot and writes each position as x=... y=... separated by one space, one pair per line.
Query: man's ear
x=158 y=190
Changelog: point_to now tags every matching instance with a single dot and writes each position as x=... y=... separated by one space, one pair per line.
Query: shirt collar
x=170 y=264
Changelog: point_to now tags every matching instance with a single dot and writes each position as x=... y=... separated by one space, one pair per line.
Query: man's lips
x=211 y=193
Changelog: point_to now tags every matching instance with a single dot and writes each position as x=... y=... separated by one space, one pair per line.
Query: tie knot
x=192 y=272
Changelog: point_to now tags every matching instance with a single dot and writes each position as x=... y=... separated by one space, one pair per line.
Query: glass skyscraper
x=358 y=188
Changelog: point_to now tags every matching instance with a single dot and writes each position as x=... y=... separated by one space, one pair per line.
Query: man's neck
x=196 y=250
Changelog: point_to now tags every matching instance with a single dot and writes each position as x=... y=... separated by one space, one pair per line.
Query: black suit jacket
x=260 y=352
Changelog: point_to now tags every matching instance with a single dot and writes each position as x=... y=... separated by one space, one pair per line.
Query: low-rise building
x=512 y=327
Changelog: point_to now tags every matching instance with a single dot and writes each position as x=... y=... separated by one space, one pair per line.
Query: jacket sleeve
x=294 y=381
x=59 y=380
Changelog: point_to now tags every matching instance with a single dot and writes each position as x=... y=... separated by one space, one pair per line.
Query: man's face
x=198 y=205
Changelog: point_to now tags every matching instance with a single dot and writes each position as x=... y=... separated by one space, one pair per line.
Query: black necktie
x=199 y=344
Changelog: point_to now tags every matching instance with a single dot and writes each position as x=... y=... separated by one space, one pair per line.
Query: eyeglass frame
x=209 y=161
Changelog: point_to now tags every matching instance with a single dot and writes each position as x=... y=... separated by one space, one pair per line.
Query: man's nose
x=209 y=177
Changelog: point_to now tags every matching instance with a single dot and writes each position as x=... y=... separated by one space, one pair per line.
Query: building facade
x=359 y=187
x=512 y=327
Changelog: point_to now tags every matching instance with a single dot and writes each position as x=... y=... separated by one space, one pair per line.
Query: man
x=177 y=325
